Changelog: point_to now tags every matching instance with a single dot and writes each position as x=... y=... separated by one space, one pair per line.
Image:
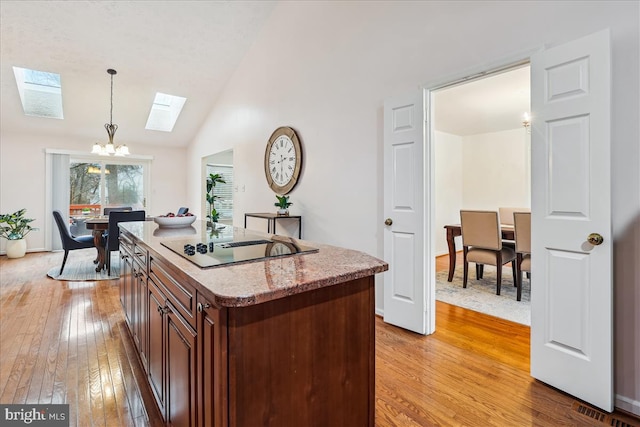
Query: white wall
x=325 y=68
x=448 y=185
x=494 y=169
x=23 y=179
x=484 y=171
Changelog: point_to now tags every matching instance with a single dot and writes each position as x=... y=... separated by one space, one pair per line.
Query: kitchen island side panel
x=305 y=360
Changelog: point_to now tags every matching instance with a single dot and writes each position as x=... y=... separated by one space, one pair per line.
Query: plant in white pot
x=14 y=227
x=283 y=203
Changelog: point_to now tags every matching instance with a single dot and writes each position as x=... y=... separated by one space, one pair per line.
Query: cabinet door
x=155 y=356
x=212 y=399
x=125 y=282
x=141 y=315
x=181 y=370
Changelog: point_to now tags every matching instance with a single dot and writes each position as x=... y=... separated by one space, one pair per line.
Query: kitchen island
x=282 y=341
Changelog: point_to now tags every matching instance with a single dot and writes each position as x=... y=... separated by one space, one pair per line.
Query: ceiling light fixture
x=109 y=149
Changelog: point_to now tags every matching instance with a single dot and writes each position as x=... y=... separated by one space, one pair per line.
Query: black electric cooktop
x=235 y=249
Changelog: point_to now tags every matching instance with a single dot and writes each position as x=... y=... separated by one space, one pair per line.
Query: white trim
x=627 y=404
x=478 y=72
x=481 y=71
x=48 y=201
x=88 y=155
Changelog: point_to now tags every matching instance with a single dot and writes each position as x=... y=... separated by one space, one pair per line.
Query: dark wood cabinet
x=180 y=353
x=212 y=365
x=133 y=294
x=126 y=274
x=306 y=359
x=171 y=357
x=155 y=356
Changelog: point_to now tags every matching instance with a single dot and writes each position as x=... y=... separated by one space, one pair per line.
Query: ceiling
x=188 y=49
x=490 y=104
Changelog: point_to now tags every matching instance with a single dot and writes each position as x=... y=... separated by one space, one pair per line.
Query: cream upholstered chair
x=506 y=215
x=506 y=220
x=482 y=244
x=522 y=225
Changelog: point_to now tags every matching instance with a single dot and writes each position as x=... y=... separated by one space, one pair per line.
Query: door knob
x=595 y=239
x=388 y=221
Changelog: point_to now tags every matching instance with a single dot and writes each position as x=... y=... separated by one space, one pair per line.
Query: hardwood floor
x=66 y=342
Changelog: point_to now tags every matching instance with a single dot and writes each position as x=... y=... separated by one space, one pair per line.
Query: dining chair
x=107 y=211
x=113 y=231
x=69 y=242
x=522 y=225
x=506 y=220
x=482 y=244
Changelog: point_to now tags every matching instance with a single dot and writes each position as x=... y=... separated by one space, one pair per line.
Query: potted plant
x=212 y=180
x=283 y=203
x=14 y=228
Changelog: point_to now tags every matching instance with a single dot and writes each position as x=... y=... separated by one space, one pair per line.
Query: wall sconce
x=526 y=122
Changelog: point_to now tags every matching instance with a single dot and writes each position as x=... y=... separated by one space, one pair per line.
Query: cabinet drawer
x=182 y=296
x=141 y=256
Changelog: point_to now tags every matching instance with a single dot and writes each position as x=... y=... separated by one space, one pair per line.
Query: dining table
x=455 y=230
x=99 y=225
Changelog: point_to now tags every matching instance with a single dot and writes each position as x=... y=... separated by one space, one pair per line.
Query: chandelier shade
x=110 y=149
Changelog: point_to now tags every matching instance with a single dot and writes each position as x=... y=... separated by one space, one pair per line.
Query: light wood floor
x=66 y=342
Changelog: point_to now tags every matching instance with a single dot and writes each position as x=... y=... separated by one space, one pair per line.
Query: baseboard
x=628 y=405
x=379 y=312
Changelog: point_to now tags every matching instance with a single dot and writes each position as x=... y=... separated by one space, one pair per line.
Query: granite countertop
x=239 y=285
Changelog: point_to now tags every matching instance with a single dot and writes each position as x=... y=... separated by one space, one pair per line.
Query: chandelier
x=109 y=149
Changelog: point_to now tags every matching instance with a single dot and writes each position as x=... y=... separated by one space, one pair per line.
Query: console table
x=272 y=220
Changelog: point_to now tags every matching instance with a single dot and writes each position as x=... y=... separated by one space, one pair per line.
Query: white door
x=571 y=291
x=404 y=282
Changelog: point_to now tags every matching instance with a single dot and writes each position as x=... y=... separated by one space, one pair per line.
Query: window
x=224 y=203
x=164 y=112
x=40 y=92
x=95 y=185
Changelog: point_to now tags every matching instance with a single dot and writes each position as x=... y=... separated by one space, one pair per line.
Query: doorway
x=222 y=164
x=482 y=161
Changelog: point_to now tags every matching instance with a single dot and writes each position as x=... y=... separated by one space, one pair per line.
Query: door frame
x=469 y=75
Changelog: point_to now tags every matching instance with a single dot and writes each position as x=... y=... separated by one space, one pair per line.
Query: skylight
x=40 y=92
x=164 y=112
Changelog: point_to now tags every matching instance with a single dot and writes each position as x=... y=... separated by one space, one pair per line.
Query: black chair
x=183 y=211
x=113 y=231
x=70 y=243
x=107 y=211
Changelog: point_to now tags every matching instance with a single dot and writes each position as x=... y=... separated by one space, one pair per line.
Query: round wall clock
x=283 y=160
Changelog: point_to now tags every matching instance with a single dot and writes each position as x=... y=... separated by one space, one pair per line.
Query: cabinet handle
x=202 y=307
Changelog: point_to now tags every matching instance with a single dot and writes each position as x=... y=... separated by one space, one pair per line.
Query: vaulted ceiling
x=188 y=49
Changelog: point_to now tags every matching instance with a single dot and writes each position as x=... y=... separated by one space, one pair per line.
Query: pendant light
x=109 y=149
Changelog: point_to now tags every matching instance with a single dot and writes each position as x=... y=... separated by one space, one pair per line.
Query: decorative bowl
x=174 y=221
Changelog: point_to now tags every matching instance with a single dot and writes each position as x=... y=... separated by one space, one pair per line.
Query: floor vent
x=600 y=416
x=619 y=423
x=590 y=412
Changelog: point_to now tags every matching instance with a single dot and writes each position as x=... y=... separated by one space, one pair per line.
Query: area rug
x=80 y=267
x=480 y=295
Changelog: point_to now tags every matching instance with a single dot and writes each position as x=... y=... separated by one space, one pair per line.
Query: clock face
x=283 y=160
x=278 y=249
